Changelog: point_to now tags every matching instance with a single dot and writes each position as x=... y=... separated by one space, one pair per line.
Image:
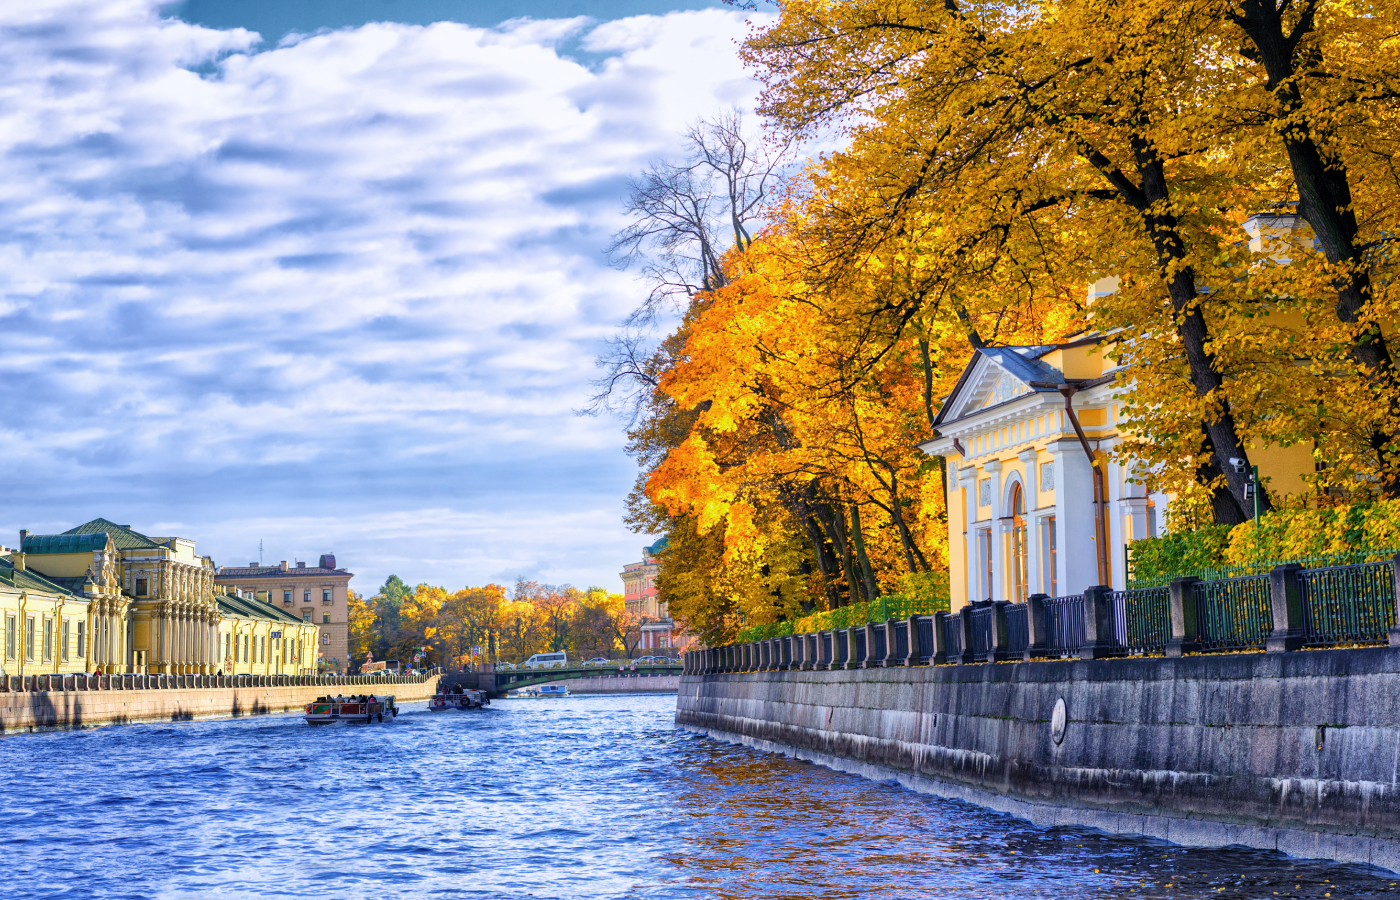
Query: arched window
x=1019 y=572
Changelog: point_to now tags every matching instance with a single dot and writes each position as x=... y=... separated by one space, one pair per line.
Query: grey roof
x=275 y=571
x=246 y=608
x=1024 y=363
x=43 y=544
x=121 y=535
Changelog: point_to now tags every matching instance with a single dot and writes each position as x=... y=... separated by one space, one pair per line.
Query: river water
x=585 y=797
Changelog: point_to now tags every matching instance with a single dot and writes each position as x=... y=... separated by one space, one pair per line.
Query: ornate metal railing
x=1233 y=614
x=1142 y=619
x=1018 y=631
x=1064 y=622
x=1347 y=604
x=1283 y=610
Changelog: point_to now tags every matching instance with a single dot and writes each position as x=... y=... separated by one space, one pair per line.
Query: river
x=586 y=797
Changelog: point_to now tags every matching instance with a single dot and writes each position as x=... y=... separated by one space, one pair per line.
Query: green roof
x=28 y=581
x=64 y=543
x=121 y=535
x=245 y=608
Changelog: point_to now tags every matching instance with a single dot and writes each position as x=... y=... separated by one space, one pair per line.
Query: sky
x=328 y=275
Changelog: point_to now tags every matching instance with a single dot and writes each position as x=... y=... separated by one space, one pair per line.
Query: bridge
x=498 y=683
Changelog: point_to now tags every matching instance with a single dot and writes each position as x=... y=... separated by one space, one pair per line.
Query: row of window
x=306 y=596
x=253 y=649
x=32 y=645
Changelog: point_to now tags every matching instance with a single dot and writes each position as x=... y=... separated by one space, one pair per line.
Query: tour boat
x=466 y=699
x=544 y=690
x=358 y=708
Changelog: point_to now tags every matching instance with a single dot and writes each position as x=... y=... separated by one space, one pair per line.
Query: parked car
x=597 y=661
x=547 y=661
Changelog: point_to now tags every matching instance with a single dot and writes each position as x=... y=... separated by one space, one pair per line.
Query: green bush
x=1155 y=561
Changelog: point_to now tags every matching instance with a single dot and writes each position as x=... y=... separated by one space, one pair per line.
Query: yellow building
x=1021 y=497
x=257 y=638
x=46 y=626
x=152 y=604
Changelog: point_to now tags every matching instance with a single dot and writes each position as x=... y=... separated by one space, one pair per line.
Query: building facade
x=258 y=638
x=1024 y=516
x=645 y=606
x=47 y=627
x=103 y=595
x=317 y=594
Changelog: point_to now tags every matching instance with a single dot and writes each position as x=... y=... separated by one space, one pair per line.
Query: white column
x=1031 y=485
x=999 y=531
x=1074 y=518
x=967 y=479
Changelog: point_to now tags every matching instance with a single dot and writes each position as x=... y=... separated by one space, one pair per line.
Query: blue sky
x=329 y=275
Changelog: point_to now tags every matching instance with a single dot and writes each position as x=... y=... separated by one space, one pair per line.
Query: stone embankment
x=625 y=684
x=58 y=703
x=1298 y=752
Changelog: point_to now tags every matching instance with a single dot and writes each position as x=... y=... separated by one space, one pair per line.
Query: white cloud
x=296 y=292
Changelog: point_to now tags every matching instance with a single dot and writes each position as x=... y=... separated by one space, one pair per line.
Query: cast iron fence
x=901 y=639
x=1233 y=614
x=1142 y=619
x=1018 y=631
x=1347 y=604
x=953 y=637
x=925 y=624
x=982 y=624
x=1064 y=622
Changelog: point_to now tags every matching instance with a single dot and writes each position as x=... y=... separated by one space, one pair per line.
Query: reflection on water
x=588 y=797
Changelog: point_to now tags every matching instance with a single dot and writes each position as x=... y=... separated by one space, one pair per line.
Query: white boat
x=465 y=699
x=356 y=708
x=543 y=690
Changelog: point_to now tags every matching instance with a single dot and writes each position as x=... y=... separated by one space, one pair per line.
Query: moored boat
x=355 y=708
x=544 y=690
x=464 y=699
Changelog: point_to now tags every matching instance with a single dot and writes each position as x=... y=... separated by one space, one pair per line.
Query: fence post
x=1099 y=640
x=915 y=649
x=850 y=637
x=1037 y=628
x=1286 y=604
x=1395 y=580
x=870 y=661
x=997 y=652
x=1185 y=634
x=891 y=646
x=938 y=653
x=968 y=652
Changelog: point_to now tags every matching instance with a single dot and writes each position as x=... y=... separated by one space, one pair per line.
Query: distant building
x=644 y=602
x=318 y=594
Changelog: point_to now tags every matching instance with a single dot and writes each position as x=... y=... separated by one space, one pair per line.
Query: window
x=48 y=638
x=1019 y=573
x=1048 y=557
x=29 y=638
x=63 y=640
x=287 y=597
x=325 y=595
x=1047 y=476
x=984 y=492
x=9 y=637
x=306 y=615
x=1151 y=518
x=306 y=596
x=141 y=587
x=326 y=619
x=325 y=639
x=82 y=639
x=984 y=550
x=244 y=655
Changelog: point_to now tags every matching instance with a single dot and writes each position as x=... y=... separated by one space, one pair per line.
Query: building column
x=1031 y=485
x=1077 y=550
x=1000 y=569
x=967 y=479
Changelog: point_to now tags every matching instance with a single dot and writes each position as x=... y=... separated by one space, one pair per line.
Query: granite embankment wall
x=58 y=710
x=625 y=684
x=1298 y=752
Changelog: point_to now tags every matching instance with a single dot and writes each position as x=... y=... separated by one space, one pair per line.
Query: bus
x=547 y=661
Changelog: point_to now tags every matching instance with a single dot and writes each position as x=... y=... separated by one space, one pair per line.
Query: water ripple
x=590 y=797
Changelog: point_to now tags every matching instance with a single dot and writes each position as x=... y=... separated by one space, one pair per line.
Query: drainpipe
x=1096 y=473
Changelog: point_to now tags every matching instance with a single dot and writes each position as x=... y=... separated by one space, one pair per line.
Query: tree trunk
x=858 y=537
x=1325 y=201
